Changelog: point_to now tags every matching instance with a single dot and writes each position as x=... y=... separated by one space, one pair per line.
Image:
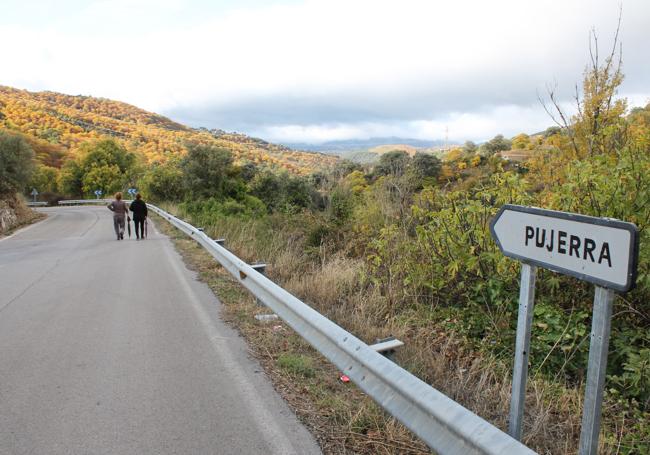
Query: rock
x=13 y=212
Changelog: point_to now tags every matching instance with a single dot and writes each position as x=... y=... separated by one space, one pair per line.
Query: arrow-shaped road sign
x=598 y=250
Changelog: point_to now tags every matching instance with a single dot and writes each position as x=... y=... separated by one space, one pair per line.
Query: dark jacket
x=139 y=209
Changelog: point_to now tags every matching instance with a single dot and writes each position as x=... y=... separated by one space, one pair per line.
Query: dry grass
x=342 y=418
x=20 y=214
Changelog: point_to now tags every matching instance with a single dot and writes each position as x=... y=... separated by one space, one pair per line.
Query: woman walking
x=120 y=212
x=139 y=209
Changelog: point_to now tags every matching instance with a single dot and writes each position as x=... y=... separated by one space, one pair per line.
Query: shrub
x=16 y=163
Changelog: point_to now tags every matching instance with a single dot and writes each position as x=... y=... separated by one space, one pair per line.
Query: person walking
x=120 y=212
x=139 y=209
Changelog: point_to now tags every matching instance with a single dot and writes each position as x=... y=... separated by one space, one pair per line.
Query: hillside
x=56 y=124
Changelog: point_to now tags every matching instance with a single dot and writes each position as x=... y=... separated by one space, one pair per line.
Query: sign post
x=522 y=349
x=34 y=193
x=598 y=250
x=598 y=347
x=98 y=193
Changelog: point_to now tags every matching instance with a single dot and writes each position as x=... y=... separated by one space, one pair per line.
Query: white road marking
x=264 y=420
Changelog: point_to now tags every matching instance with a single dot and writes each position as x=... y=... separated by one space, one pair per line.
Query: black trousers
x=140 y=223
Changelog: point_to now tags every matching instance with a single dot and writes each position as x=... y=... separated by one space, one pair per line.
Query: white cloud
x=327 y=67
x=456 y=126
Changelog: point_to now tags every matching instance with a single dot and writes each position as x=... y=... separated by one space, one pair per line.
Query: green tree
x=425 y=165
x=341 y=205
x=393 y=163
x=106 y=152
x=164 y=182
x=267 y=187
x=106 y=178
x=70 y=178
x=470 y=147
x=208 y=171
x=16 y=163
x=298 y=192
x=497 y=144
x=100 y=165
x=44 y=179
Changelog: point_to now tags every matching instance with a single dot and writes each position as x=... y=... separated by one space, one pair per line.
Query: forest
x=401 y=247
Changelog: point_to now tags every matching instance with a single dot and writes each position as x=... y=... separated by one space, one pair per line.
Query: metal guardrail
x=444 y=425
x=36 y=204
x=89 y=201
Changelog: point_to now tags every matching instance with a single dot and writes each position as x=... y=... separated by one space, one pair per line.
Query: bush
x=208 y=171
x=164 y=182
x=16 y=163
x=99 y=165
x=44 y=179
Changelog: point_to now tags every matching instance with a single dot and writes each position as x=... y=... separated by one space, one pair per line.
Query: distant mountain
x=55 y=124
x=350 y=145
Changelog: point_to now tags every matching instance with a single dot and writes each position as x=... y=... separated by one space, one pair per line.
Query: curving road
x=111 y=347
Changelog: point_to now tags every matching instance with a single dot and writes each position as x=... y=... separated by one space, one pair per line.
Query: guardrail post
x=261 y=268
x=385 y=348
x=221 y=242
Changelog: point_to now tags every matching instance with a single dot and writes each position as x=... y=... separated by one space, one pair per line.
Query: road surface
x=113 y=347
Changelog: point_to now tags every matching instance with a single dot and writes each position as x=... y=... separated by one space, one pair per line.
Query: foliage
x=100 y=165
x=15 y=163
x=106 y=178
x=208 y=171
x=44 y=179
x=164 y=182
x=341 y=205
x=521 y=141
x=282 y=192
x=206 y=212
x=470 y=147
x=497 y=144
x=425 y=165
x=393 y=163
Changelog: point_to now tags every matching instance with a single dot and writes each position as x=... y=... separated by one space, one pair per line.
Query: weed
x=297 y=364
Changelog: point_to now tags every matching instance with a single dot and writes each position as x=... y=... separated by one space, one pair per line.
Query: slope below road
x=114 y=347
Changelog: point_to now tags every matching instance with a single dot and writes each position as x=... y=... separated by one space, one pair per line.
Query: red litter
x=344 y=378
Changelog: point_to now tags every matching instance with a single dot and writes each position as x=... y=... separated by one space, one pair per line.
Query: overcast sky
x=318 y=70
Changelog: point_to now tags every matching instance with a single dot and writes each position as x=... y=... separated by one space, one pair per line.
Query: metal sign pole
x=600 y=330
x=522 y=348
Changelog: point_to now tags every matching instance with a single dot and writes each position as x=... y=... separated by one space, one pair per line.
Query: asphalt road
x=111 y=347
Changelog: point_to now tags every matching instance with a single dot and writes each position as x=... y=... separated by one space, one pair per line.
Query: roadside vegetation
x=16 y=167
x=403 y=248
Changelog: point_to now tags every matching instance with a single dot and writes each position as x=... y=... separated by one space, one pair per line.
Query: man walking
x=120 y=212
